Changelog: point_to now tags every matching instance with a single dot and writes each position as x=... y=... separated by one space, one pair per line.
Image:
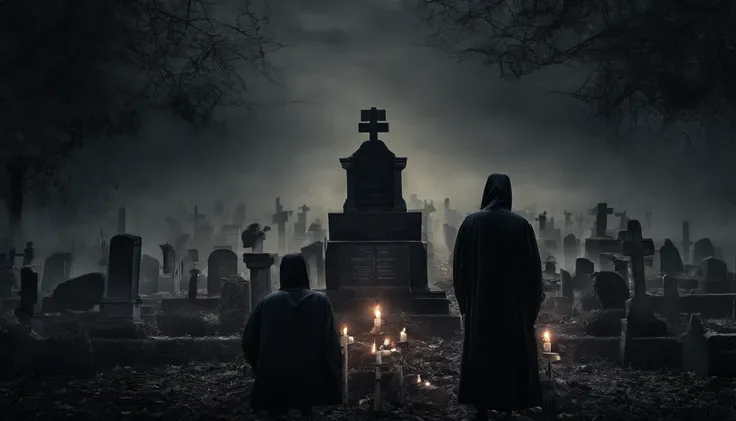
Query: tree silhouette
x=73 y=71
x=662 y=61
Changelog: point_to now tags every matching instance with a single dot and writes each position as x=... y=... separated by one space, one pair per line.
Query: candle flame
x=378 y=311
x=345 y=331
x=545 y=336
x=373 y=348
x=386 y=342
x=426 y=383
x=403 y=330
x=419 y=378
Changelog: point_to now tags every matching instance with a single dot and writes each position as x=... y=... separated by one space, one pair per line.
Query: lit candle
x=377 y=320
x=419 y=378
x=373 y=348
x=346 y=340
x=402 y=336
x=546 y=342
x=387 y=342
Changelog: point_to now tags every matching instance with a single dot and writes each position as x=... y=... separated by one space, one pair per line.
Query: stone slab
x=375 y=226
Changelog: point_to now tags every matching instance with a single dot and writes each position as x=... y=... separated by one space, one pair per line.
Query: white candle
x=402 y=335
x=377 y=320
x=546 y=342
x=345 y=339
x=386 y=342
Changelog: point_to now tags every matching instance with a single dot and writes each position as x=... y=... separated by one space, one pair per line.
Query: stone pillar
x=259 y=265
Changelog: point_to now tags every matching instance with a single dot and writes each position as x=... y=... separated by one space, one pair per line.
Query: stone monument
x=375 y=251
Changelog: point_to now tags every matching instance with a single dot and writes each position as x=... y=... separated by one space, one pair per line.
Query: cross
x=304 y=208
x=373 y=122
x=686 y=243
x=601 y=212
x=280 y=218
x=637 y=248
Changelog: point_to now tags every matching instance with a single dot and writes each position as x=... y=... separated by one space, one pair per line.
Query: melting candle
x=546 y=342
x=419 y=378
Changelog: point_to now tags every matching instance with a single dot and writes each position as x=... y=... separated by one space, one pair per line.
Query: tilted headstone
x=220 y=263
x=702 y=249
x=669 y=258
x=611 y=290
x=123 y=271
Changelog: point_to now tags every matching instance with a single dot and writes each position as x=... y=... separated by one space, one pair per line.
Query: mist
x=456 y=123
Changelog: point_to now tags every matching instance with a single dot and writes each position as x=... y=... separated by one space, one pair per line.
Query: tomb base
x=185 y=305
x=391 y=300
x=121 y=319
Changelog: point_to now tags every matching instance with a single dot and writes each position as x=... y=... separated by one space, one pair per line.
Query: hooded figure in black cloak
x=497 y=276
x=293 y=346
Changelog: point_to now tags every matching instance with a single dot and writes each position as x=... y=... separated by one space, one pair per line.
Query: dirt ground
x=593 y=391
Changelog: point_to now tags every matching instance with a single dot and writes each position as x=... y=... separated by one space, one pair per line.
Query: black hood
x=497 y=193
x=293 y=273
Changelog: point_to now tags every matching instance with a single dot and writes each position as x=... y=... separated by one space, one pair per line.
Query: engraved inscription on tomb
x=376 y=265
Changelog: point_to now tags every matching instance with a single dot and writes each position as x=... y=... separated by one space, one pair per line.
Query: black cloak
x=497 y=275
x=292 y=344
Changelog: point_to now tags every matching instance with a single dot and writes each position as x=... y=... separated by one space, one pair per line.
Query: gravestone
x=81 y=293
x=714 y=277
x=193 y=284
x=611 y=290
x=56 y=269
x=314 y=254
x=168 y=281
x=601 y=219
x=686 y=243
x=259 y=265
x=150 y=270
x=567 y=295
x=669 y=258
x=571 y=246
x=671 y=292
x=583 y=269
x=542 y=219
x=375 y=248
x=28 y=295
x=221 y=263
x=702 y=249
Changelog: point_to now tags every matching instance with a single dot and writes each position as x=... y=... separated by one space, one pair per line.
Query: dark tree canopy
x=80 y=70
x=674 y=59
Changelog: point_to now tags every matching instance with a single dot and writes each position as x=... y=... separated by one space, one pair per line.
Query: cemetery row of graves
x=617 y=307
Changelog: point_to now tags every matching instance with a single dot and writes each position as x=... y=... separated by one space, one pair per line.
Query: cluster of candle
x=546 y=342
x=388 y=346
x=419 y=380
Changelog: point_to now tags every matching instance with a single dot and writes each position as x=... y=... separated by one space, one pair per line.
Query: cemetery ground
x=585 y=389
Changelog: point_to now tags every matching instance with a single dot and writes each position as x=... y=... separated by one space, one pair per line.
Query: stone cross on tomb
x=637 y=248
x=686 y=243
x=623 y=220
x=601 y=213
x=373 y=122
x=280 y=218
x=568 y=220
x=542 y=218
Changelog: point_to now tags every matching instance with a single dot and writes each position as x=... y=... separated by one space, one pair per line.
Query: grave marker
x=280 y=218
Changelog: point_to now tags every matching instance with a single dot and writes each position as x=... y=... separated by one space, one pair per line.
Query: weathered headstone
x=150 y=271
x=28 y=295
x=583 y=269
x=669 y=258
x=714 y=277
x=234 y=306
x=56 y=269
x=221 y=263
x=314 y=254
x=611 y=290
x=79 y=294
x=193 y=281
x=571 y=246
x=702 y=249
x=124 y=265
x=169 y=256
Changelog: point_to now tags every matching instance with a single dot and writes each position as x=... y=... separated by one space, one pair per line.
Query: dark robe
x=497 y=276
x=292 y=344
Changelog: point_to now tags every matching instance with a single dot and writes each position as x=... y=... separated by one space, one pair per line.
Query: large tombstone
x=123 y=271
x=150 y=271
x=703 y=249
x=221 y=263
x=584 y=268
x=714 y=277
x=375 y=246
x=314 y=255
x=56 y=269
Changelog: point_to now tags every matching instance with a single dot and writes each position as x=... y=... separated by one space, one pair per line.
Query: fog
x=456 y=123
